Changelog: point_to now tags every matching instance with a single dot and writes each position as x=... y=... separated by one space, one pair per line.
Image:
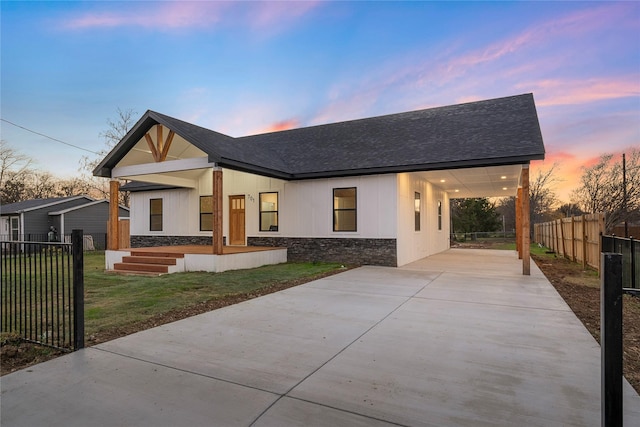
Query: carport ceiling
x=492 y=181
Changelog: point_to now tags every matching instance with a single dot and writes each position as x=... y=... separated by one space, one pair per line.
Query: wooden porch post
x=113 y=232
x=519 y=222
x=217 y=211
x=526 y=224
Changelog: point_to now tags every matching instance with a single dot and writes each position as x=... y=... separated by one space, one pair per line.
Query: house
x=31 y=220
x=369 y=191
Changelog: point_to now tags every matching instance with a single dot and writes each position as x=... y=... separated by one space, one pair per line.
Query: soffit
x=180 y=149
x=489 y=181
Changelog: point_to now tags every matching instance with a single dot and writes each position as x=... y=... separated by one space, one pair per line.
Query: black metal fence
x=483 y=235
x=90 y=242
x=630 y=250
x=42 y=291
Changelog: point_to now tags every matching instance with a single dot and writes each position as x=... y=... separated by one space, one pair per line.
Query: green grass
x=115 y=300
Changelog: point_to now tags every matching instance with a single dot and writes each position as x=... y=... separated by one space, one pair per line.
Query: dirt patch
x=17 y=354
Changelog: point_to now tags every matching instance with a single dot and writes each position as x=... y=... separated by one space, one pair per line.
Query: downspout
x=62 y=227
x=21 y=229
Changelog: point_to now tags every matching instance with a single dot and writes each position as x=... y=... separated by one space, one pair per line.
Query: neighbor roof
x=484 y=133
x=33 y=204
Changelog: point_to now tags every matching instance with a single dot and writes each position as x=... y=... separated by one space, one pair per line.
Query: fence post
x=633 y=263
x=78 y=289
x=611 y=338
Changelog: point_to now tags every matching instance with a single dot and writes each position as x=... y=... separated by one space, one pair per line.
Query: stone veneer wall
x=152 y=241
x=347 y=251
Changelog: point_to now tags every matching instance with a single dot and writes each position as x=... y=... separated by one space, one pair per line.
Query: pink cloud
x=194 y=14
x=567 y=92
x=570 y=26
x=268 y=14
x=168 y=15
x=282 y=125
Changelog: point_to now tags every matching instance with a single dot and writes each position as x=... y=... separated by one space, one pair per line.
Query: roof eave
x=515 y=160
x=126 y=143
x=255 y=169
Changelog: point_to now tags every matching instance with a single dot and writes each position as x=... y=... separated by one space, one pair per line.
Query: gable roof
x=485 y=133
x=83 y=206
x=33 y=204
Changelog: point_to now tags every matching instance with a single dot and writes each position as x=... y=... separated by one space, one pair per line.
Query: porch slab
x=201 y=257
x=429 y=344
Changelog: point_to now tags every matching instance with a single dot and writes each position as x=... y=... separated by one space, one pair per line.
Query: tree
x=506 y=207
x=602 y=189
x=73 y=187
x=116 y=130
x=568 y=210
x=14 y=166
x=542 y=198
x=469 y=215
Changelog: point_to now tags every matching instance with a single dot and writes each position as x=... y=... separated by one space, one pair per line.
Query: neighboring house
x=369 y=191
x=31 y=220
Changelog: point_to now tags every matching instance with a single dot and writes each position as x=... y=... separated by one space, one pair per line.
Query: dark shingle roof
x=135 y=186
x=492 y=132
x=27 y=205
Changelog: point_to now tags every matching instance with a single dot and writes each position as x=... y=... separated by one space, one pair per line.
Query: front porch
x=175 y=259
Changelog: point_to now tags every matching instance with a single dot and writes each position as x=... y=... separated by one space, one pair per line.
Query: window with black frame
x=155 y=215
x=345 y=216
x=416 y=209
x=206 y=213
x=269 y=211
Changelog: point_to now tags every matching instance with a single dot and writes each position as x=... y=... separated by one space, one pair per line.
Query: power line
x=47 y=136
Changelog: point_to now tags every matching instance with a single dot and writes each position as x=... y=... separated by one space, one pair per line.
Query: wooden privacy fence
x=576 y=238
x=124 y=237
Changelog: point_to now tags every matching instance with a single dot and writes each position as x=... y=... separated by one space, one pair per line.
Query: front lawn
x=117 y=305
x=116 y=301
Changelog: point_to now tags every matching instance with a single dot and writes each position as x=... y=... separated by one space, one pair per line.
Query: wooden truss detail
x=160 y=149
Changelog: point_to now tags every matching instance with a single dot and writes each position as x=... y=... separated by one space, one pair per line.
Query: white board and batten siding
x=414 y=245
x=385 y=209
x=305 y=208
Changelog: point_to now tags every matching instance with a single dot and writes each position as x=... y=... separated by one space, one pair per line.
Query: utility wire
x=47 y=136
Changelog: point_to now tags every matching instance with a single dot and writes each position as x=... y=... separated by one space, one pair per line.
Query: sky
x=243 y=68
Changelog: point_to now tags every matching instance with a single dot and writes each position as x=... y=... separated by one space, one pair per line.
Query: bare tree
x=602 y=189
x=116 y=130
x=542 y=197
x=41 y=185
x=73 y=187
x=14 y=167
x=568 y=210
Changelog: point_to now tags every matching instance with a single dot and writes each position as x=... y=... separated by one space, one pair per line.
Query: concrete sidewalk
x=456 y=339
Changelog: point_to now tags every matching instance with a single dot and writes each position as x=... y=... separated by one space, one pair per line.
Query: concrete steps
x=147 y=263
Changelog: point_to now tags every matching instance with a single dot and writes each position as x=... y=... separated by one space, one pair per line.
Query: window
x=416 y=208
x=155 y=215
x=344 y=209
x=15 y=228
x=268 y=211
x=206 y=213
x=439 y=215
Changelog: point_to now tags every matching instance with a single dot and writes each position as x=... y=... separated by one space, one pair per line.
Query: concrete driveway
x=456 y=339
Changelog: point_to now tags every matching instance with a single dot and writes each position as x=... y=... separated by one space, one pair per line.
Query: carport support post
x=217 y=211
x=519 y=222
x=611 y=338
x=113 y=232
x=526 y=224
